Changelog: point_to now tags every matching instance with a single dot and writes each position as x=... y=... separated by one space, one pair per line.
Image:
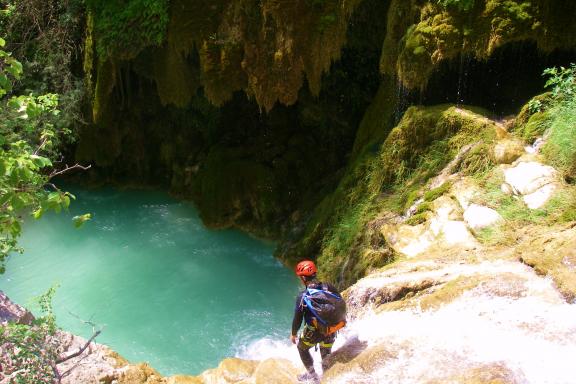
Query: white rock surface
x=535 y=181
x=478 y=217
x=540 y=197
x=527 y=177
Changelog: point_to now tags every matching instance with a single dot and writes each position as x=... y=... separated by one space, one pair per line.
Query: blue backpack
x=328 y=309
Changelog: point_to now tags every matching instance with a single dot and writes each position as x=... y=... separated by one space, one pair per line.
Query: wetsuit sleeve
x=298 y=315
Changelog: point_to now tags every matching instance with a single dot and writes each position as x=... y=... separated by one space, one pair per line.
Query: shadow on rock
x=346 y=353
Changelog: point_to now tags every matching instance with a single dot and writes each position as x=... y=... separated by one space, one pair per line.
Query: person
x=306 y=270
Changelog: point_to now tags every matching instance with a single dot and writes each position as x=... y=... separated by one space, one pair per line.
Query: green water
x=168 y=290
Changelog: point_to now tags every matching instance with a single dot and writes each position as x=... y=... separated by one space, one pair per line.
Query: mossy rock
x=425 y=33
x=551 y=252
x=422 y=143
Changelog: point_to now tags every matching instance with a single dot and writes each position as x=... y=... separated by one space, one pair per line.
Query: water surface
x=168 y=290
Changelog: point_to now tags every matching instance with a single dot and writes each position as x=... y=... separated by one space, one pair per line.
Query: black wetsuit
x=310 y=335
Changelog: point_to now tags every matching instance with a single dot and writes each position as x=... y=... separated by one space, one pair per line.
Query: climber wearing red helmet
x=310 y=336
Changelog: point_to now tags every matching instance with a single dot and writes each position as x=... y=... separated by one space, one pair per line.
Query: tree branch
x=8 y=379
x=79 y=352
x=67 y=169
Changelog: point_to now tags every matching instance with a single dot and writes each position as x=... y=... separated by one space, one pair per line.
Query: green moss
x=446 y=29
x=88 y=62
x=424 y=207
x=122 y=29
x=435 y=193
x=105 y=82
x=418 y=218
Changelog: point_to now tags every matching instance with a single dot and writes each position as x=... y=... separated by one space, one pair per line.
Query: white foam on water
x=533 y=337
x=268 y=347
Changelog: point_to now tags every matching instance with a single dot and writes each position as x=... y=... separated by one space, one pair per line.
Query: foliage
x=123 y=28
x=463 y=5
x=28 y=138
x=46 y=36
x=563 y=81
x=534 y=106
x=560 y=146
x=29 y=353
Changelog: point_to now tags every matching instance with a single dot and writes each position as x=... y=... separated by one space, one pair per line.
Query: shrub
x=560 y=147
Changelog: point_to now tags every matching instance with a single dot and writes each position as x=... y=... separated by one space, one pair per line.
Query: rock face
x=252 y=108
x=11 y=312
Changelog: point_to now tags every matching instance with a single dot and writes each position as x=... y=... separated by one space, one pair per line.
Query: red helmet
x=306 y=268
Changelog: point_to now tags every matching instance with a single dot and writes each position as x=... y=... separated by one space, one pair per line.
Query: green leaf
x=38 y=213
x=41 y=161
x=53 y=197
x=66 y=201
x=4 y=82
x=2 y=42
x=81 y=219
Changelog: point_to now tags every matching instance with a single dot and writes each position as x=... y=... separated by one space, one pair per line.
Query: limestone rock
x=407 y=239
x=507 y=151
x=478 y=217
x=443 y=229
x=278 y=371
x=181 y=379
x=464 y=191
x=495 y=373
x=528 y=177
x=12 y=312
x=539 y=197
x=230 y=370
x=552 y=253
x=140 y=374
x=535 y=181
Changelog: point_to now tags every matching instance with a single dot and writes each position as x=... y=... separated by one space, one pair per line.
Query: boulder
x=535 y=181
x=230 y=370
x=478 y=217
x=527 y=177
x=507 y=151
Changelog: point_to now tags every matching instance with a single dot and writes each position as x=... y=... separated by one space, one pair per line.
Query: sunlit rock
x=539 y=197
x=495 y=373
x=444 y=228
x=535 y=181
x=181 y=379
x=552 y=253
x=464 y=191
x=407 y=239
x=507 y=151
x=12 y=312
x=140 y=374
x=280 y=371
x=230 y=370
x=356 y=367
x=478 y=217
x=528 y=177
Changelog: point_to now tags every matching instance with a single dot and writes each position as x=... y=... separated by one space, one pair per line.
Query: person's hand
x=293 y=339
